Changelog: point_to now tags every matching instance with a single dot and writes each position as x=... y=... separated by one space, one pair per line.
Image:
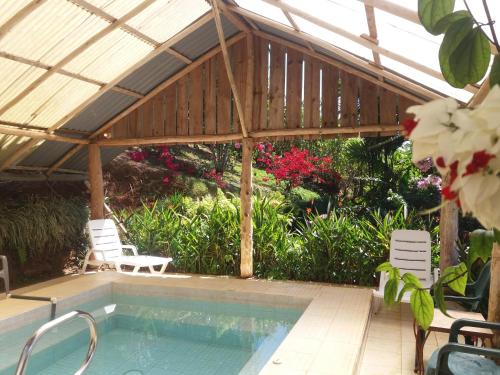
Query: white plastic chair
x=410 y=252
x=108 y=250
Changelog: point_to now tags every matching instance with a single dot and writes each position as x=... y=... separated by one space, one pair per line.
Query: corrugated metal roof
x=152 y=73
x=79 y=161
x=46 y=154
x=204 y=39
x=281 y=34
x=103 y=109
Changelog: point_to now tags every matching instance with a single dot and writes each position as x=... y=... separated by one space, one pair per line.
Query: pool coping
x=327 y=339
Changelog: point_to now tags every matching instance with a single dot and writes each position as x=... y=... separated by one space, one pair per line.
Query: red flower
x=480 y=160
x=440 y=162
x=448 y=194
x=166 y=180
x=408 y=125
x=453 y=171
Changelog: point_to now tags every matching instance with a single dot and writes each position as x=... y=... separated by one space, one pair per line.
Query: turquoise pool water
x=153 y=335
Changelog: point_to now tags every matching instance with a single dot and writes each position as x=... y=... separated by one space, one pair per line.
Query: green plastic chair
x=458 y=359
x=476 y=292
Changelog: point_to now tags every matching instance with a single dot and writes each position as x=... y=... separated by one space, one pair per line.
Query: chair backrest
x=482 y=284
x=411 y=252
x=104 y=239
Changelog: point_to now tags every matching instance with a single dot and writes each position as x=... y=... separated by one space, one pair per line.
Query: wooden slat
x=388 y=104
x=403 y=105
x=148 y=119
x=170 y=95
x=330 y=96
x=209 y=94
x=121 y=129
x=133 y=124
x=260 y=88
x=277 y=87
x=316 y=98
x=368 y=103
x=196 y=102
x=294 y=89
x=307 y=91
x=182 y=106
x=349 y=94
x=223 y=98
x=158 y=116
x=238 y=62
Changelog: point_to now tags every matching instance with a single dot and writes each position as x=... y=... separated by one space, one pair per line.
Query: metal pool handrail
x=28 y=348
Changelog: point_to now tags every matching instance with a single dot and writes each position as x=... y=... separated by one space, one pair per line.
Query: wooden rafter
x=41 y=128
x=400 y=81
x=20 y=15
x=20 y=153
x=227 y=12
x=79 y=77
x=235 y=19
x=362 y=41
x=63 y=159
x=295 y=26
x=44 y=169
x=347 y=68
x=372 y=27
x=73 y=54
x=37 y=134
x=129 y=29
x=229 y=70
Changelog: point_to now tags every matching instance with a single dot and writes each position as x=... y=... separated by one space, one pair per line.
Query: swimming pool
x=157 y=335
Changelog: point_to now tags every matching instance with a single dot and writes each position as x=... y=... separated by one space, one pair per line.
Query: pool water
x=157 y=335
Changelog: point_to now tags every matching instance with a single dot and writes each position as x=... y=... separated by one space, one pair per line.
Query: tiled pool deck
x=335 y=335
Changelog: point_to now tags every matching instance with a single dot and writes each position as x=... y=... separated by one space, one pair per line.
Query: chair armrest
x=445 y=351
x=461 y=298
x=460 y=323
x=131 y=247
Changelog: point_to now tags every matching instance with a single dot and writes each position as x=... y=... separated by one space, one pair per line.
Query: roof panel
x=103 y=109
x=46 y=154
x=50 y=101
x=51 y=32
x=152 y=73
x=115 y=8
x=79 y=161
x=165 y=18
x=9 y=144
x=9 y=8
x=264 y=9
x=203 y=39
x=110 y=56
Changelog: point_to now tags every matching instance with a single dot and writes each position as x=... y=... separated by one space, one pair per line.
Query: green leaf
x=406 y=288
x=384 y=267
x=410 y=278
x=496 y=232
x=390 y=291
x=470 y=60
x=444 y=23
x=495 y=80
x=422 y=307
x=481 y=244
x=455 y=277
x=431 y=12
x=454 y=35
x=439 y=298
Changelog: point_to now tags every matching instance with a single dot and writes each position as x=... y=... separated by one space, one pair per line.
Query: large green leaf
x=481 y=244
x=444 y=23
x=495 y=80
x=406 y=288
x=422 y=306
x=431 y=12
x=410 y=278
x=384 y=267
x=470 y=60
x=390 y=291
x=455 y=277
x=454 y=35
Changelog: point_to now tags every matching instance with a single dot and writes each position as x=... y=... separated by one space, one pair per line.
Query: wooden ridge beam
x=73 y=54
x=343 y=66
x=363 y=42
x=66 y=73
x=37 y=134
x=356 y=61
x=323 y=131
x=229 y=70
x=19 y=16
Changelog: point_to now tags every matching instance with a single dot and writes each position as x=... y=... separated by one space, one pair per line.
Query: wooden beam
x=364 y=42
x=233 y=18
x=63 y=159
x=20 y=153
x=229 y=70
x=481 y=94
x=394 y=9
x=448 y=235
x=96 y=183
x=343 y=66
x=170 y=140
x=73 y=54
x=19 y=16
x=40 y=128
x=43 y=169
x=402 y=82
x=372 y=27
x=246 y=190
x=494 y=302
x=165 y=84
x=37 y=134
x=324 y=131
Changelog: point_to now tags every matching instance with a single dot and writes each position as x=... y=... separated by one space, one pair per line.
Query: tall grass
x=203 y=236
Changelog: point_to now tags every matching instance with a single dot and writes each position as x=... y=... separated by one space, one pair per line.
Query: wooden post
x=494 y=302
x=448 y=229
x=246 y=266
x=96 y=183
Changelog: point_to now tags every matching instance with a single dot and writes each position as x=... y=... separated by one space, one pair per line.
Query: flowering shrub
x=138 y=155
x=430 y=180
x=465 y=147
x=217 y=178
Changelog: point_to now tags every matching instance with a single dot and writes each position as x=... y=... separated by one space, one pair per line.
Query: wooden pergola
x=267 y=80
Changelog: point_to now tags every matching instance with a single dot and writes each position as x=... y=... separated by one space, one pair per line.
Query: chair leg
x=377 y=303
x=163 y=267
x=85 y=263
x=136 y=269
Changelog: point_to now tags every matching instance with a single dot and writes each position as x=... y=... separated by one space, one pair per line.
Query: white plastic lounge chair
x=410 y=252
x=108 y=250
